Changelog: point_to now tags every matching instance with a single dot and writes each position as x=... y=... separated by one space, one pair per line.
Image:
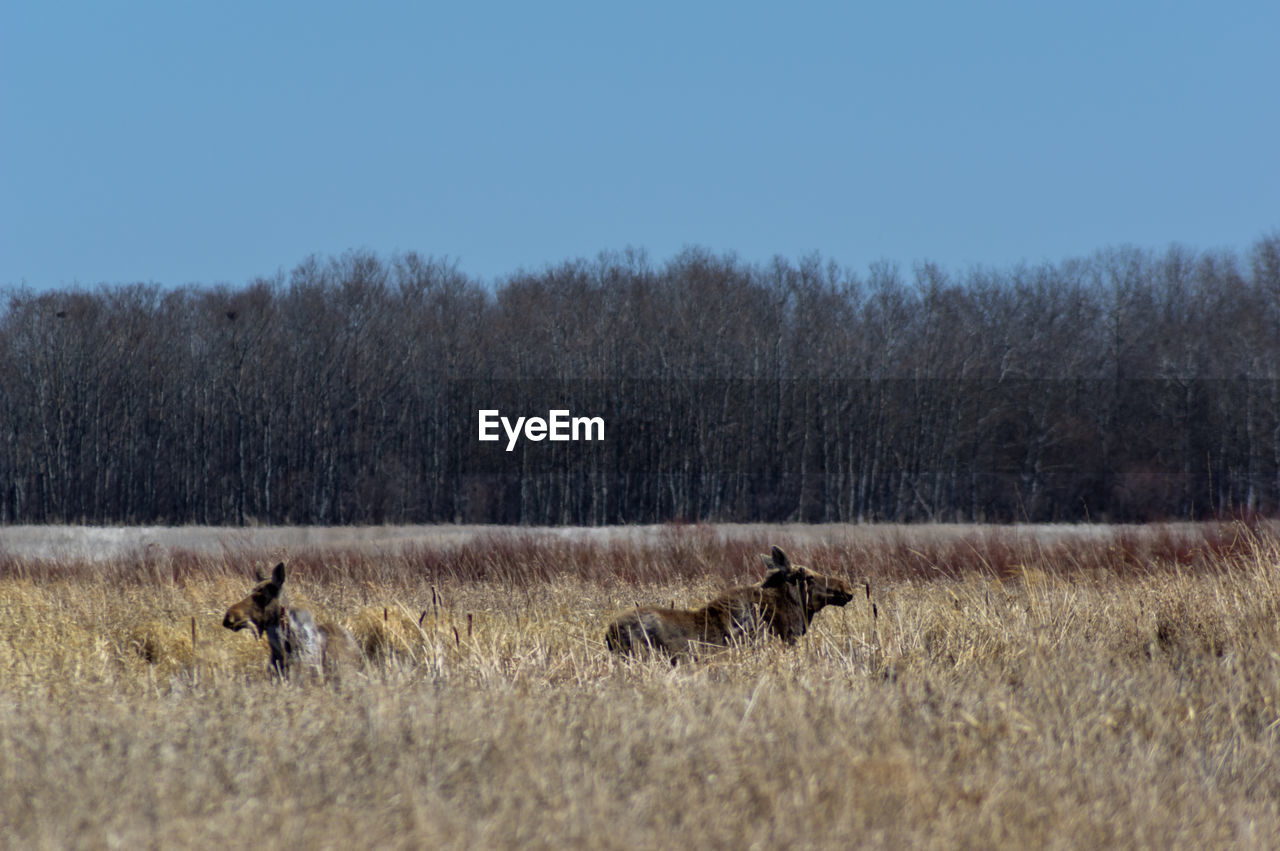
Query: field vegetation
x=984 y=689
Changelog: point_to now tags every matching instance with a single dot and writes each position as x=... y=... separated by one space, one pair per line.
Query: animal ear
x=259 y=575
x=779 y=568
x=277 y=575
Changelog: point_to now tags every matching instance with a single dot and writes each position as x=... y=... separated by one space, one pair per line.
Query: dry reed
x=993 y=690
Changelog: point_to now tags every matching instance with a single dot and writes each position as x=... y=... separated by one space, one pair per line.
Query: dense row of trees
x=1128 y=385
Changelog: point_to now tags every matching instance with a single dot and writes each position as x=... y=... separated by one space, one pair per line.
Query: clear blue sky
x=210 y=142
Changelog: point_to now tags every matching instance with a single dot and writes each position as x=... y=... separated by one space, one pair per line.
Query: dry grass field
x=1115 y=688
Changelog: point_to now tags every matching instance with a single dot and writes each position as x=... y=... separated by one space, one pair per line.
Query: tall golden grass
x=992 y=690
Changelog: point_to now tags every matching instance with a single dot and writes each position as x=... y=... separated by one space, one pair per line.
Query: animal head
x=264 y=605
x=816 y=590
x=824 y=590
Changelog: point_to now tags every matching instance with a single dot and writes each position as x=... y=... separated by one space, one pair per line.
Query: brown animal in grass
x=818 y=590
x=784 y=604
x=294 y=636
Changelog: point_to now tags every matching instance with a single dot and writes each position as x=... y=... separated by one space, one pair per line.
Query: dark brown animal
x=818 y=590
x=784 y=603
x=293 y=635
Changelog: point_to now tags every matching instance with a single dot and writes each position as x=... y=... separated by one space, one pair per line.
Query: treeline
x=1129 y=385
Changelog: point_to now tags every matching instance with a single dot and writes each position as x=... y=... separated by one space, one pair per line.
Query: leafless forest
x=1128 y=385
